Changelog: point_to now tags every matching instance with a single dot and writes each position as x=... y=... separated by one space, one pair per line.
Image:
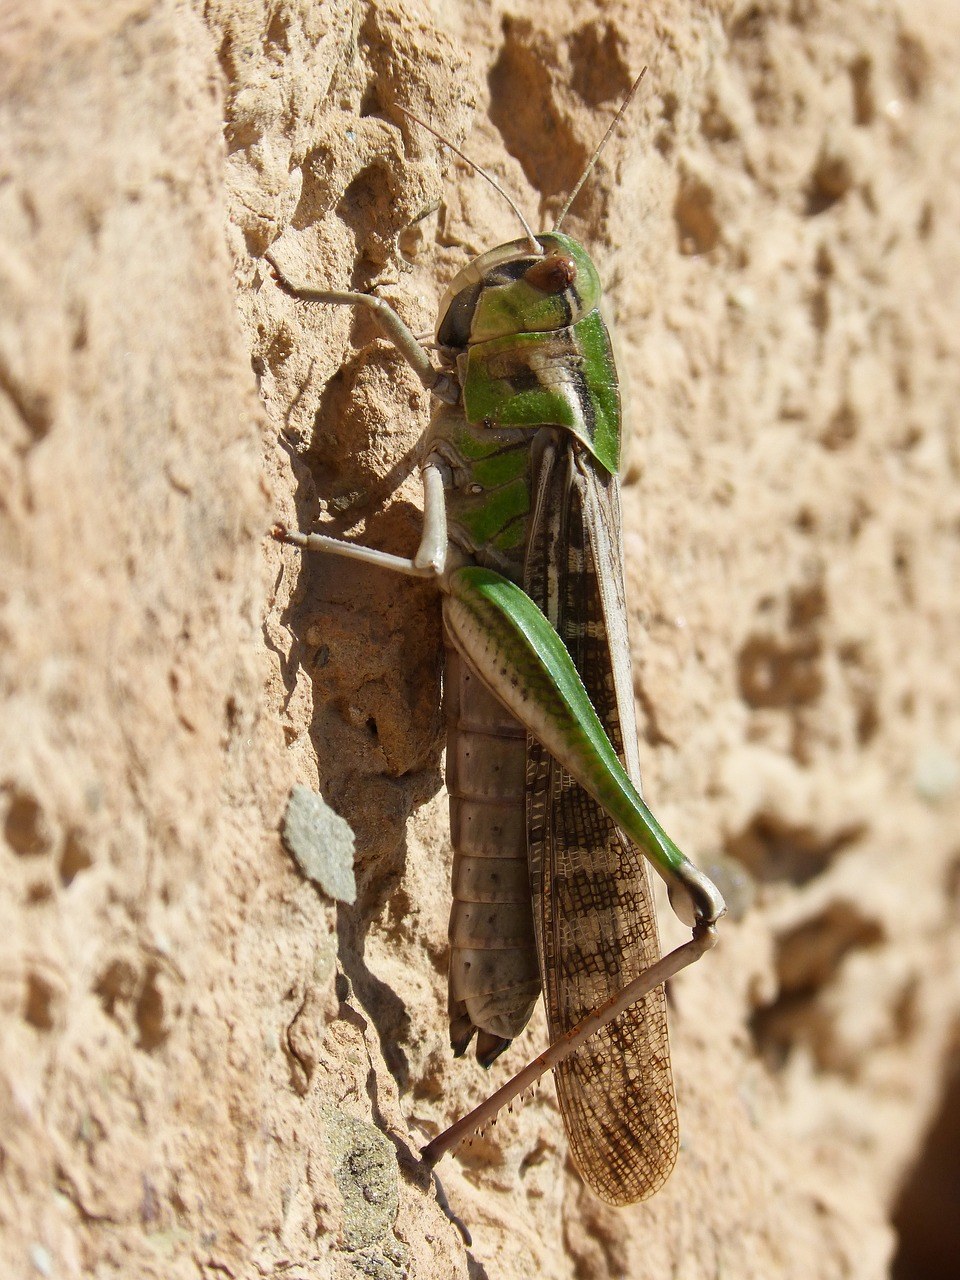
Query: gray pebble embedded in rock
x=321 y=842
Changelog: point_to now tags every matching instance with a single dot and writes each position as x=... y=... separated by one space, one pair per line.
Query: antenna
x=535 y=245
x=596 y=155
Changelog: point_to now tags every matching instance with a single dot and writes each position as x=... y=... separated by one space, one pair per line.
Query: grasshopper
x=521 y=532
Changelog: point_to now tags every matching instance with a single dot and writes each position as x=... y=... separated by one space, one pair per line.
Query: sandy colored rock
x=208 y=1068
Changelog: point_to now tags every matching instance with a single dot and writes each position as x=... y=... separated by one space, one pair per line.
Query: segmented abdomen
x=494 y=971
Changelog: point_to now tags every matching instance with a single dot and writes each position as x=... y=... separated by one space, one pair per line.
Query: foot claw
x=276 y=273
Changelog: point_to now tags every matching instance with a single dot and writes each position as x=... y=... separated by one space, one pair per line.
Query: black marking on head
x=508 y=272
x=455 y=329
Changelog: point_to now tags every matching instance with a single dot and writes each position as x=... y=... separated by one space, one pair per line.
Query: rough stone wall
x=206 y=1066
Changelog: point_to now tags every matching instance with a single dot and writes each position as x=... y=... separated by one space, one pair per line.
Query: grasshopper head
x=509 y=290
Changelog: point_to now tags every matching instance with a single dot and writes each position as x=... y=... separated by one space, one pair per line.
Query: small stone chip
x=364 y=1163
x=935 y=774
x=321 y=843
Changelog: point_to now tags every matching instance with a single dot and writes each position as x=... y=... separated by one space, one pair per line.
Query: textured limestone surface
x=207 y=1066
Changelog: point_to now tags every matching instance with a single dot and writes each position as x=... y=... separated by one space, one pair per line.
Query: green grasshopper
x=521 y=531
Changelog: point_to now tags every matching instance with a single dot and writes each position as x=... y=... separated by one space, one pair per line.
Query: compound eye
x=553 y=274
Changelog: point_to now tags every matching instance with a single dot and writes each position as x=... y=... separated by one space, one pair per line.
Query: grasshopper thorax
x=509 y=290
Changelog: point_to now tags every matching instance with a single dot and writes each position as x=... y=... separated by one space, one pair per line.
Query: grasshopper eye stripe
x=454 y=330
x=552 y=838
